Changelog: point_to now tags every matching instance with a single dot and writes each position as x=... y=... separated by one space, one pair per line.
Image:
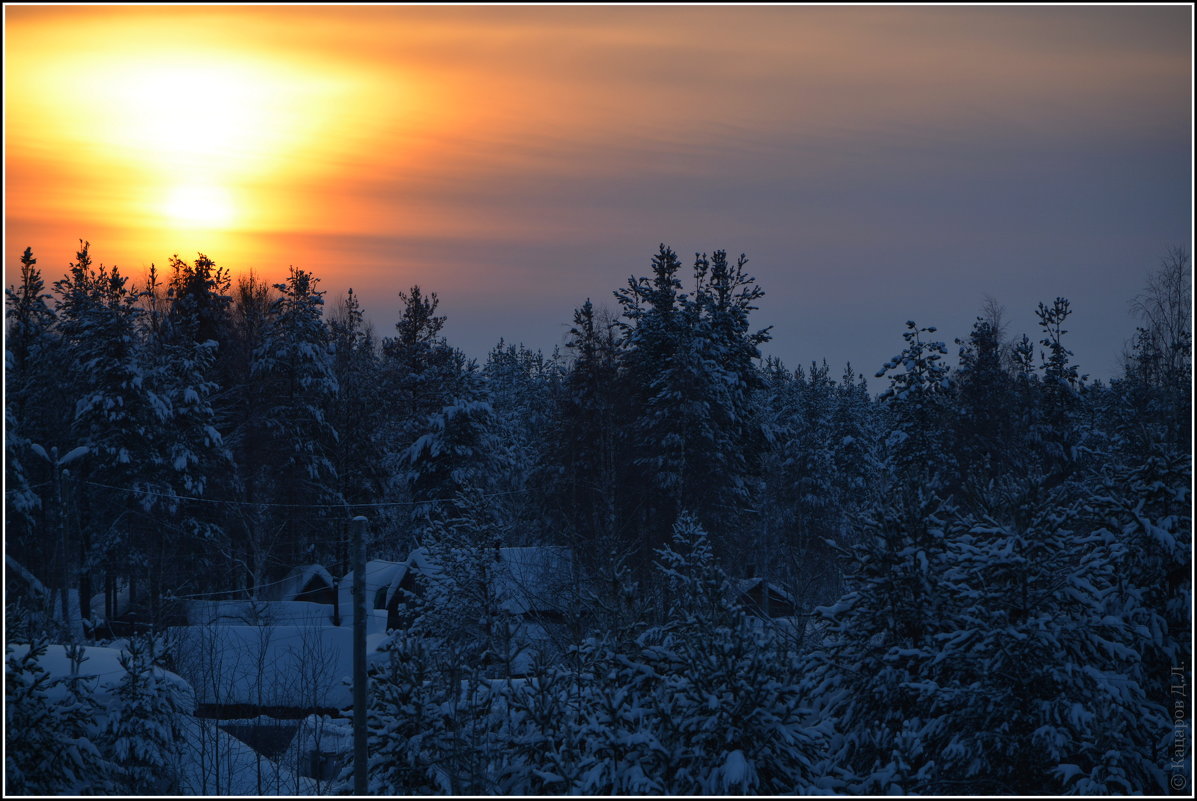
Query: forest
x=989 y=560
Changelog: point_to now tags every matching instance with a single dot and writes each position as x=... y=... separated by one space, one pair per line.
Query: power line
x=172 y=596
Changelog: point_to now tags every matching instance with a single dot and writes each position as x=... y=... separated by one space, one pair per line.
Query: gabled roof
x=527 y=579
x=379 y=573
x=745 y=586
x=761 y=597
x=296 y=581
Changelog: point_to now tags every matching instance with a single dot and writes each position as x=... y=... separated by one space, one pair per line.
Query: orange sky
x=542 y=152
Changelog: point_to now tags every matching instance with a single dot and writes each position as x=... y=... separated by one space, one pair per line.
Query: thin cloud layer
x=874 y=163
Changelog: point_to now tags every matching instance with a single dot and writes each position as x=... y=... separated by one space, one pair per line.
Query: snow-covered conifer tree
x=917 y=398
x=144 y=729
x=294 y=367
x=880 y=637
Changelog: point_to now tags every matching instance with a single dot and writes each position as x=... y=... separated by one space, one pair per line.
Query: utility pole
x=60 y=519
x=359 y=655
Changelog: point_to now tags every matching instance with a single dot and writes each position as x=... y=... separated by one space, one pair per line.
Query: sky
x=876 y=164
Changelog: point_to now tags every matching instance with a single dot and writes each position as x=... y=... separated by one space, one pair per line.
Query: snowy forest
x=989 y=562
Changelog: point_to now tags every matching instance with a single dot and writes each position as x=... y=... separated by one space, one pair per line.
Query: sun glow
x=200 y=206
x=178 y=140
x=229 y=119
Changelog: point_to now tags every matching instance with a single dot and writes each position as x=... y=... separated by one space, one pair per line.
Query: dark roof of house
x=270 y=740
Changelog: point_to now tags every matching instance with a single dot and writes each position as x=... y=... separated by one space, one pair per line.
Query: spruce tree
x=984 y=418
x=918 y=399
x=294 y=366
x=144 y=732
x=585 y=438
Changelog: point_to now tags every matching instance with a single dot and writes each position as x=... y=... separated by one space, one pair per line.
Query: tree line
x=990 y=560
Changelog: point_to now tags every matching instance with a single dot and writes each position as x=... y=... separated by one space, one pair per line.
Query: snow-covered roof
x=528 y=579
x=379 y=574
x=294 y=582
x=289 y=666
x=745 y=586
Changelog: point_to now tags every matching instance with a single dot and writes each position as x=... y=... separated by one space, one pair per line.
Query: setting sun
x=172 y=129
x=201 y=206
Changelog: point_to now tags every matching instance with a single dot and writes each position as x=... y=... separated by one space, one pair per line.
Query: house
x=534 y=582
x=285 y=656
x=269 y=672
x=764 y=599
x=534 y=585
x=286 y=668
x=380 y=576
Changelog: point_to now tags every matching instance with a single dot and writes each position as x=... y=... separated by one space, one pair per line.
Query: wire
x=381 y=504
x=34 y=487
x=172 y=596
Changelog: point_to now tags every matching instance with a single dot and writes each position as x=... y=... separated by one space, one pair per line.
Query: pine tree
x=406 y=722
x=34 y=408
x=855 y=441
x=522 y=385
x=30 y=387
x=244 y=407
x=1147 y=510
x=649 y=347
x=199 y=299
x=688 y=366
x=432 y=724
x=420 y=366
x=182 y=355
x=1034 y=687
x=457 y=451
x=1060 y=390
x=727 y=300
x=121 y=415
x=420 y=376
x=356 y=409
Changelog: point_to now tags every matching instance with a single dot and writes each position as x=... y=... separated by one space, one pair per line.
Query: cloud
x=522 y=158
